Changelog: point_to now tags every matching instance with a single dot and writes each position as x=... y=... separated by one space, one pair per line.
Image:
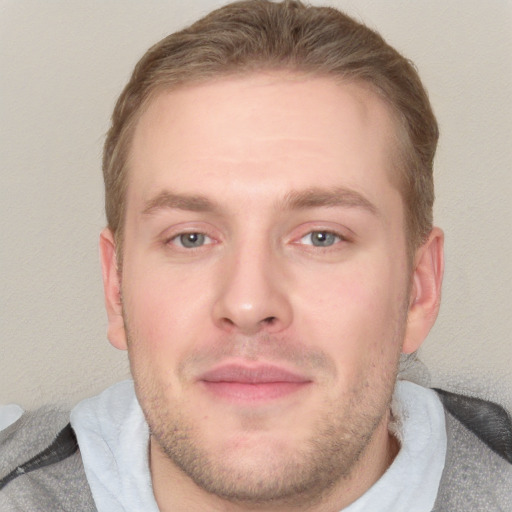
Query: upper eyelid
x=340 y=238
x=183 y=228
x=342 y=233
x=328 y=231
x=210 y=241
x=174 y=236
x=218 y=235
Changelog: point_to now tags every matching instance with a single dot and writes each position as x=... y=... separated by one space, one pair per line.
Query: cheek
x=163 y=311
x=356 y=314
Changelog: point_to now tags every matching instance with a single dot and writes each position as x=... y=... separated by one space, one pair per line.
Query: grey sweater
x=41 y=473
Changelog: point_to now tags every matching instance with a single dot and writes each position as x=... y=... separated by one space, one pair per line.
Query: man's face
x=265 y=284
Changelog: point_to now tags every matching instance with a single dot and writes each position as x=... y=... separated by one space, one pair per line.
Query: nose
x=252 y=296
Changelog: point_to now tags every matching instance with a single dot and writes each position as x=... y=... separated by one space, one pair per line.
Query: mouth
x=252 y=383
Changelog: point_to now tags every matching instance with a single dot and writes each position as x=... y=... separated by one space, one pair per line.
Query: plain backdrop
x=63 y=63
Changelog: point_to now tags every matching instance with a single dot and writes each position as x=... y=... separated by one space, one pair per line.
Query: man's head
x=246 y=37
x=268 y=284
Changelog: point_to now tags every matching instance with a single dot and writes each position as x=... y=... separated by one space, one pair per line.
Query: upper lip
x=251 y=374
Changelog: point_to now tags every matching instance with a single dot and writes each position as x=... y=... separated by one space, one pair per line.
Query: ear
x=425 y=297
x=112 y=289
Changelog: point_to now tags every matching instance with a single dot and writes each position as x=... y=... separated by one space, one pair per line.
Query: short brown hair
x=253 y=35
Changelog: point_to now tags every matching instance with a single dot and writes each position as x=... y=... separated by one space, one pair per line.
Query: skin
x=263 y=230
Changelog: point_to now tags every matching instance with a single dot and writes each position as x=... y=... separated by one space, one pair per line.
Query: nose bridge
x=252 y=294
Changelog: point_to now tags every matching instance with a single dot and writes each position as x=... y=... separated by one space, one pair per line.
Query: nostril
x=269 y=320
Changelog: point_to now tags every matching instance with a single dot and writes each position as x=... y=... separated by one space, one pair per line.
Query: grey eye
x=320 y=238
x=191 y=240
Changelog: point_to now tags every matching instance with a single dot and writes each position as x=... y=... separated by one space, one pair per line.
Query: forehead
x=250 y=130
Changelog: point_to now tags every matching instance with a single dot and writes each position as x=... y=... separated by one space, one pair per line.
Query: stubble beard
x=305 y=475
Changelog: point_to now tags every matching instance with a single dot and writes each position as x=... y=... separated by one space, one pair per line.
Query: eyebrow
x=295 y=200
x=337 y=197
x=169 y=200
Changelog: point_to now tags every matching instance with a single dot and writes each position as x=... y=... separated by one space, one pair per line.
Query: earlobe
x=425 y=297
x=112 y=290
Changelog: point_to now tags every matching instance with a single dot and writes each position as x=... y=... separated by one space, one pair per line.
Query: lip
x=252 y=383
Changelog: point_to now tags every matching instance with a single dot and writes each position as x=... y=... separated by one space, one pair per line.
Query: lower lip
x=257 y=392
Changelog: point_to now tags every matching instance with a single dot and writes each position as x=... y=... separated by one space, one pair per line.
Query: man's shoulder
x=478 y=468
x=40 y=464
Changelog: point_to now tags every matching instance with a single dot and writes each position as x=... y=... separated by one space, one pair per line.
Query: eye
x=320 y=239
x=191 y=240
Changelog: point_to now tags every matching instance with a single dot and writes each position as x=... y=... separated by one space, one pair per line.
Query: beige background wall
x=63 y=64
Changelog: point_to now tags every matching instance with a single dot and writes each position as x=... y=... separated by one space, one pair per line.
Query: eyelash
x=178 y=237
x=335 y=238
x=176 y=240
